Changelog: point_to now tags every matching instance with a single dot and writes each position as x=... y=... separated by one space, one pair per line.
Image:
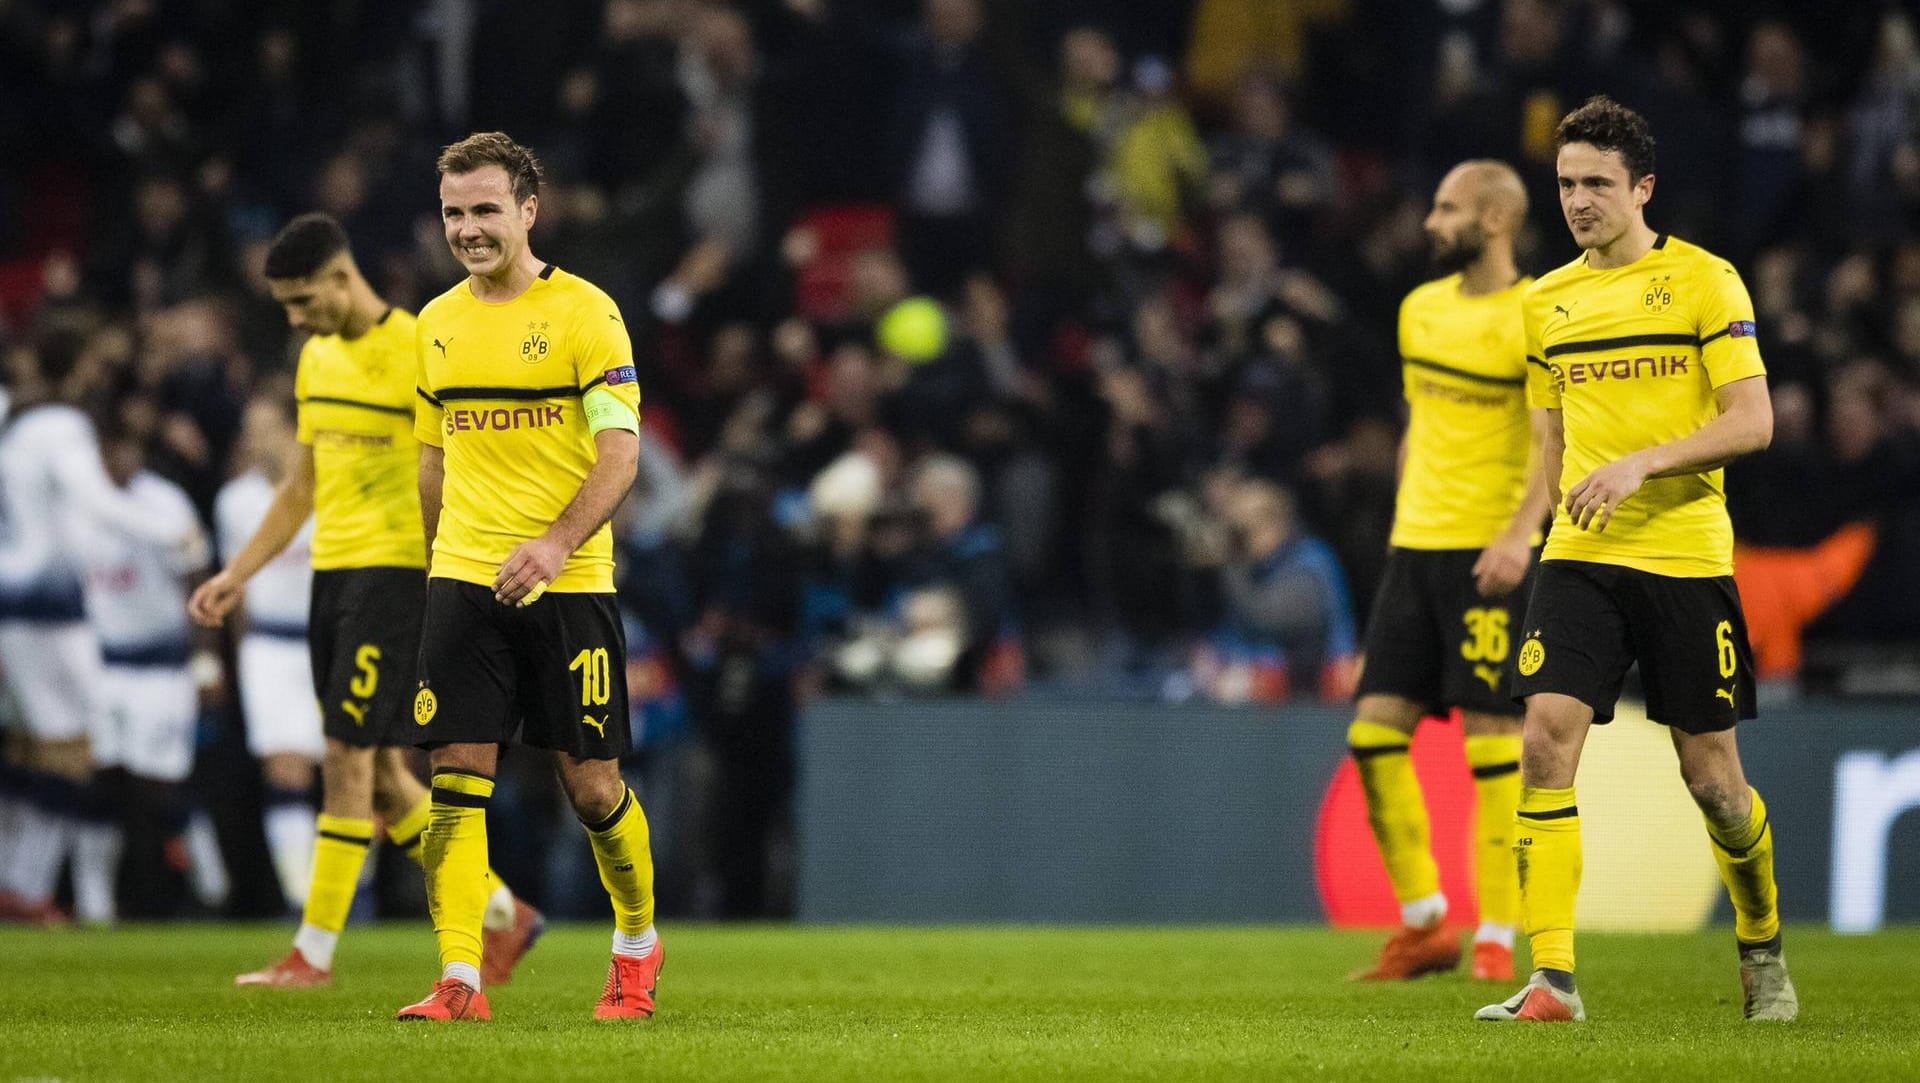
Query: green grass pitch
x=980 y=1004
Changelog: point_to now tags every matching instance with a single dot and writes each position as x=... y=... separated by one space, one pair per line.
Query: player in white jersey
x=283 y=731
x=55 y=496
x=136 y=594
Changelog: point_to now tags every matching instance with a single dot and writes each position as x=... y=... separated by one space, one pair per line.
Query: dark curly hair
x=495 y=148
x=1608 y=125
x=304 y=245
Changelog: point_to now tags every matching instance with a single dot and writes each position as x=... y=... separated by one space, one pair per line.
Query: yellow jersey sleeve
x=1543 y=391
x=356 y=411
x=428 y=415
x=1729 y=338
x=603 y=365
x=302 y=371
x=1464 y=373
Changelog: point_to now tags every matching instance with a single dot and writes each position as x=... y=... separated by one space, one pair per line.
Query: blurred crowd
x=984 y=343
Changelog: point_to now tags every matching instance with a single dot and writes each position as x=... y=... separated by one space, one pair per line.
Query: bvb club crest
x=1532 y=657
x=533 y=348
x=425 y=706
x=1658 y=295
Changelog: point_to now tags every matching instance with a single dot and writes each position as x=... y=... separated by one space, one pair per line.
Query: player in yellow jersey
x=528 y=414
x=1472 y=499
x=354 y=472
x=1645 y=356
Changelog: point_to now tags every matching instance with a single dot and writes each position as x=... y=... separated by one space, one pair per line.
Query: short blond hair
x=483 y=149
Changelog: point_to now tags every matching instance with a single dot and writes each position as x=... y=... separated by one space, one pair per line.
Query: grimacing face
x=318 y=303
x=1597 y=197
x=486 y=228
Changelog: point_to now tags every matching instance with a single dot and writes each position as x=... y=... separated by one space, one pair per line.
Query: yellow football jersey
x=500 y=390
x=356 y=409
x=1464 y=368
x=1631 y=357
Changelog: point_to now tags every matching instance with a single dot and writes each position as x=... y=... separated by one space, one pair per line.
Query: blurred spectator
x=1772 y=102
x=1157 y=165
x=1266 y=164
x=1288 y=628
x=958 y=604
x=746 y=662
x=948 y=136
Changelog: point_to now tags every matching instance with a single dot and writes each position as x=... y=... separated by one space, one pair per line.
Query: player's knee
x=1390 y=711
x=1482 y=724
x=71 y=759
x=594 y=787
x=475 y=759
x=391 y=772
x=348 y=769
x=287 y=771
x=1722 y=801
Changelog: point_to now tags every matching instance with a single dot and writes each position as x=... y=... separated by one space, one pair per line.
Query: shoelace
x=611 y=994
x=455 y=994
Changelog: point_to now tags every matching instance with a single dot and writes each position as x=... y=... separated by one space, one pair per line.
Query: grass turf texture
x=871 y=1003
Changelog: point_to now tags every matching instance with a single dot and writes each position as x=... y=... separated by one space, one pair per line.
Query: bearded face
x=1456 y=249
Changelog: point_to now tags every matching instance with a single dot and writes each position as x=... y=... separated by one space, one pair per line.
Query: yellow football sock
x=1495 y=759
x=1546 y=850
x=1396 y=808
x=406 y=833
x=339 y=850
x=454 y=848
x=621 y=849
x=1746 y=867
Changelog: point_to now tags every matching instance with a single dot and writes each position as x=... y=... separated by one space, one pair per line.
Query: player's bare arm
x=1744 y=425
x=433 y=475
x=1553 y=454
x=1503 y=563
x=539 y=561
x=292 y=504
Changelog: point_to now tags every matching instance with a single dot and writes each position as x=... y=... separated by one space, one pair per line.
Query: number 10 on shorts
x=596 y=676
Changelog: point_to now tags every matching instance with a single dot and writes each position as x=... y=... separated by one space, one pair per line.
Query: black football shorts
x=1588 y=623
x=552 y=674
x=1432 y=638
x=363 y=638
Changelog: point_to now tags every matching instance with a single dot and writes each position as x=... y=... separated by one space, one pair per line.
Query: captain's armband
x=606 y=411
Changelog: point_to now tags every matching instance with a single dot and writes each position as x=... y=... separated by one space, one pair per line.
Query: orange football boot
x=1412 y=953
x=1536 y=1002
x=451 y=999
x=1492 y=961
x=503 y=948
x=17 y=910
x=1543 y=1006
x=292 y=972
x=630 y=982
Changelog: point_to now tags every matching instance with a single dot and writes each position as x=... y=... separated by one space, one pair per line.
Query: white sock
x=499 y=913
x=638 y=945
x=96 y=867
x=290 y=833
x=1489 y=933
x=317 y=945
x=39 y=849
x=209 y=870
x=10 y=807
x=465 y=972
x=1421 y=913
